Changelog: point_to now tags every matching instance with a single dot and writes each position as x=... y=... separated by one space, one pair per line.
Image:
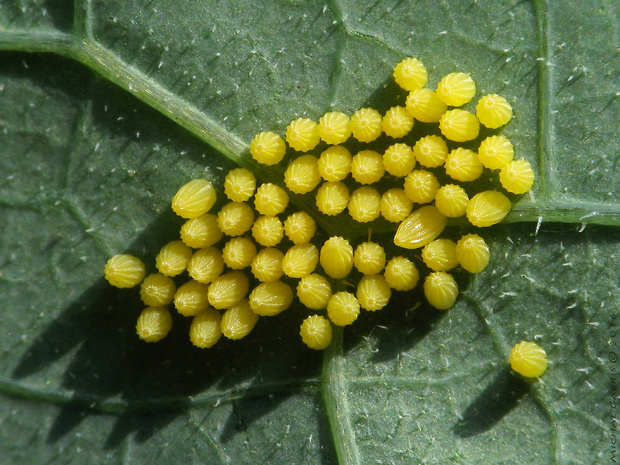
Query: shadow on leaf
x=492 y=404
x=105 y=368
x=148 y=386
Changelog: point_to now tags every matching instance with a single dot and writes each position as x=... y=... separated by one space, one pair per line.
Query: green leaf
x=109 y=106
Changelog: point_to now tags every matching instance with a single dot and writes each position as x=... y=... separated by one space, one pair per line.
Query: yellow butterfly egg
x=369 y=258
x=272 y=298
x=337 y=257
x=201 y=232
x=303 y=134
x=398 y=160
x=335 y=163
x=194 y=199
x=395 y=205
x=401 y=274
x=441 y=290
x=410 y=74
x=173 y=258
x=397 y=122
x=335 y=127
x=418 y=229
x=299 y=227
x=238 y=253
x=267 y=148
x=205 y=330
x=366 y=124
x=528 y=359
x=421 y=186
x=365 y=204
x=228 y=289
x=239 y=185
x=451 y=200
x=343 y=308
x=300 y=260
x=440 y=255
x=157 y=290
x=373 y=292
x=487 y=208
x=154 y=324
x=235 y=219
x=238 y=321
x=332 y=198
x=425 y=105
x=463 y=165
x=472 y=253
x=493 y=111
x=268 y=231
x=267 y=265
x=124 y=271
x=430 y=151
x=367 y=167
x=270 y=200
x=314 y=291
x=495 y=152
x=517 y=176
x=205 y=265
x=456 y=89
x=302 y=175
x=191 y=298
x=316 y=332
x=459 y=125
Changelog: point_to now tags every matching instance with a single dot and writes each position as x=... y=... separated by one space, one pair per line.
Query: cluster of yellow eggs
x=256 y=254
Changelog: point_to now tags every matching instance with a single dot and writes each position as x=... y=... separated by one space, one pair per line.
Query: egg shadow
x=106 y=369
x=495 y=402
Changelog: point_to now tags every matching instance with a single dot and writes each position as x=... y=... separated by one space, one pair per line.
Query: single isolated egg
x=528 y=359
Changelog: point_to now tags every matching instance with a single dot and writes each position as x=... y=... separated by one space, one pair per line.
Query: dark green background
x=136 y=98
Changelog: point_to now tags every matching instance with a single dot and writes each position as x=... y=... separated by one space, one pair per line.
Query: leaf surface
x=107 y=107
